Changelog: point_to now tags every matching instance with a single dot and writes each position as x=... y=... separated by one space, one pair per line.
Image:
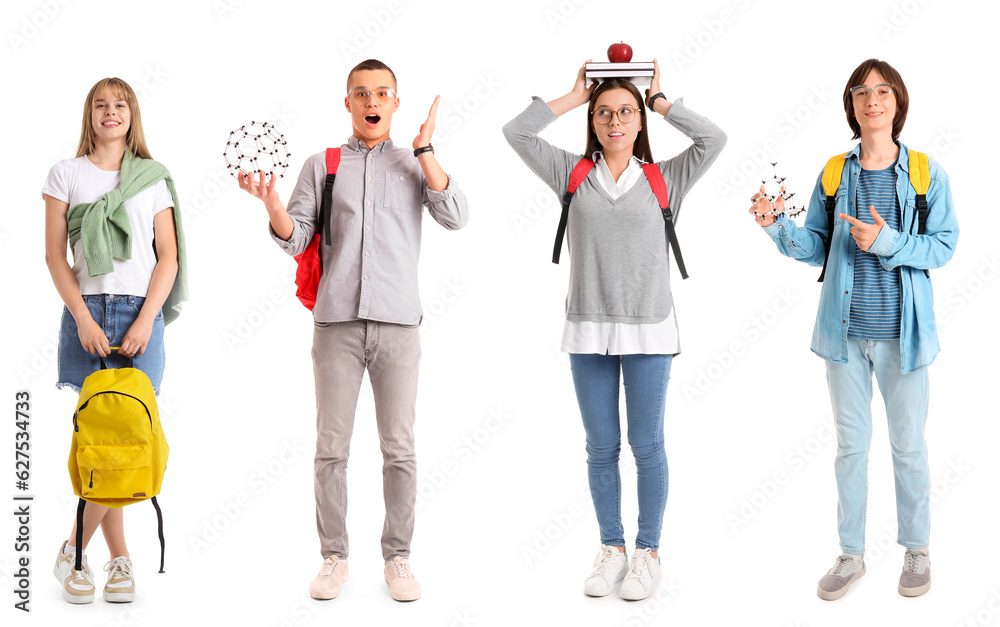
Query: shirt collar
x=600 y=154
x=357 y=145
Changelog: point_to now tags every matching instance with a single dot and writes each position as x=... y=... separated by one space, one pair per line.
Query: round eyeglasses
x=382 y=95
x=861 y=92
x=625 y=115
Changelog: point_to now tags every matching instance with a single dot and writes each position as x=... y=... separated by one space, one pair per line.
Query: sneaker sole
x=914 y=592
x=324 y=596
x=78 y=599
x=833 y=596
x=639 y=597
x=119 y=597
x=404 y=596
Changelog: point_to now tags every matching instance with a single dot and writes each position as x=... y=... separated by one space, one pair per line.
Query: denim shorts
x=115 y=314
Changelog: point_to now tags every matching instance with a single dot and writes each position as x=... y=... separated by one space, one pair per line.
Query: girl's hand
x=92 y=337
x=136 y=338
x=262 y=190
x=580 y=92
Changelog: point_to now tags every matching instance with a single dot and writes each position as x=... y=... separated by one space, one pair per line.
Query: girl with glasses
x=620 y=321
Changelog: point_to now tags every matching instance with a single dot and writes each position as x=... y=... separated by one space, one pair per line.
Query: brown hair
x=370 y=64
x=135 y=140
x=898 y=90
x=640 y=148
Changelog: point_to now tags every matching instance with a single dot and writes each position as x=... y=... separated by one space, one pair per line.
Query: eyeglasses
x=861 y=92
x=382 y=95
x=625 y=115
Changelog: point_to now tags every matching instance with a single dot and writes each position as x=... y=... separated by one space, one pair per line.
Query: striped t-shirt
x=875 y=304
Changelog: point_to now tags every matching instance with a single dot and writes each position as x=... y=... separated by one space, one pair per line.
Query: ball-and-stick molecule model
x=257 y=147
x=790 y=210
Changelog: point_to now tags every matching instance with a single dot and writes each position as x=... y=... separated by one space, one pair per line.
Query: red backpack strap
x=659 y=187
x=332 y=163
x=577 y=176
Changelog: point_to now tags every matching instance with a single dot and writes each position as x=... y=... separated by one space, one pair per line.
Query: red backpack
x=311 y=259
x=655 y=179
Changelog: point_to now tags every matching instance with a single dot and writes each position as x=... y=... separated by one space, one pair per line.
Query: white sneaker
x=331 y=577
x=78 y=586
x=643 y=578
x=121 y=585
x=609 y=568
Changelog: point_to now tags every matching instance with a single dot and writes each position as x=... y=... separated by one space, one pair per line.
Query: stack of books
x=639 y=72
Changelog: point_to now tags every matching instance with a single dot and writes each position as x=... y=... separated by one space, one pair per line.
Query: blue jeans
x=115 y=314
x=596 y=378
x=905 y=397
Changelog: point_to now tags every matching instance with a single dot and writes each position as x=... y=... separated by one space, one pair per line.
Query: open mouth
x=874 y=114
x=110 y=123
x=373 y=118
x=616 y=135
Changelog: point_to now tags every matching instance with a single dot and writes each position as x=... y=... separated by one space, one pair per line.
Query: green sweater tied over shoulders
x=106 y=231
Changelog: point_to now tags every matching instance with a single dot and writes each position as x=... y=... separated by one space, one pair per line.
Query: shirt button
x=369 y=178
x=845 y=291
x=366 y=253
x=369 y=203
x=401 y=178
x=366 y=277
x=368 y=228
x=844 y=321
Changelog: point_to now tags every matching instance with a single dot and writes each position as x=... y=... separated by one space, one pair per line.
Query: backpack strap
x=832 y=174
x=920 y=179
x=78 y=565
x=659 y=186
x=579 y=173
x=159 y=529
x=332 y=163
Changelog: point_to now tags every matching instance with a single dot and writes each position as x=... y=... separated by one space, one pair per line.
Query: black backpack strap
x=833 y=173
x=159 y=529
x=78 y=565
x=831 y=205
x=659 y=186
x=332 y=163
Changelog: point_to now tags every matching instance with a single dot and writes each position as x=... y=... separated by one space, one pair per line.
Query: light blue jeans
x=597 y=381
x=905 y=397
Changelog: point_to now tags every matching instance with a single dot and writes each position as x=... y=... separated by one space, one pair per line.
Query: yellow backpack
x=920 y=179
x=118 y=453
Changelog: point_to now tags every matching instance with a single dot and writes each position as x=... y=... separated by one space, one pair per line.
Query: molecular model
x=257 y=147
x=790 y=210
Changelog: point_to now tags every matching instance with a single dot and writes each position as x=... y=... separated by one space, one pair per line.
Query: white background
x=505 y=529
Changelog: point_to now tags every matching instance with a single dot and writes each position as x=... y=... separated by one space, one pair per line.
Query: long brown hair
x=135 y=140
x=891 y=76
x=640 y=149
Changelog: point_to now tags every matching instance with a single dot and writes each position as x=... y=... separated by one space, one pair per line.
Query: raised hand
x=423 y=138
x=762 y=208
x=580 y=91
x=259 y=189
x=865 y=234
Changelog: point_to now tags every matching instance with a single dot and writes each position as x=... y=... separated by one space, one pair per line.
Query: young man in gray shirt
x=367 y=310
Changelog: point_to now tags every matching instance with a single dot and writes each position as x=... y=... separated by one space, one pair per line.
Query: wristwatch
x=420 y=151
x=653 y=98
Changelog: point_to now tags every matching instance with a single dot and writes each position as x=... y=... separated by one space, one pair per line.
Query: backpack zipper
x=76 y=425
x=91 y=477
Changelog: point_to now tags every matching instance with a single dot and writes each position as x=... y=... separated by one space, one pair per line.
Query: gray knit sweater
x=619 y=270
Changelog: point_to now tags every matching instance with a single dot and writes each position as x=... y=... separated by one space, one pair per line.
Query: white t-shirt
x=78 y=180
x=620 y=338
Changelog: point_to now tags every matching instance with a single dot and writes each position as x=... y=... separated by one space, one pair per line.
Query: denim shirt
x=911 y=253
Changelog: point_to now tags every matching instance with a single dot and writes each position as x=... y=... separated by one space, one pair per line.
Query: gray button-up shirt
x=370 y=270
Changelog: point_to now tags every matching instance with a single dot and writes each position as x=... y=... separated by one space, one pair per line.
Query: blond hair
x=135 y=140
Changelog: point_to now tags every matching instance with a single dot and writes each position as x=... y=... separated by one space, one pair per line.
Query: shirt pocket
x=402 y=192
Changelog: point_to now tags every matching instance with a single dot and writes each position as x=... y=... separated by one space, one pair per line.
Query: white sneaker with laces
x=120 y=587
x=78 y=585
x=609 y=568
x=642 y=578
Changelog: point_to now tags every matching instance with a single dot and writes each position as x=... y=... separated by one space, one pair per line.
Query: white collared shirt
x=620 y=338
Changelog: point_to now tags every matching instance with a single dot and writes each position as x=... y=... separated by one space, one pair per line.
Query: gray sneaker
x=916 y=577
x=835 y=583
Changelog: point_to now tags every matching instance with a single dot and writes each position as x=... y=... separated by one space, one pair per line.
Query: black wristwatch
x=420 y=151
x=649 y=103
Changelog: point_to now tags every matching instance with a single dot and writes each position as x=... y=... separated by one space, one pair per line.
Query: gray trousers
x=391 y=353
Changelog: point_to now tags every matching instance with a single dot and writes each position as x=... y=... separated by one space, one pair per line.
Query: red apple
x=620 y=53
